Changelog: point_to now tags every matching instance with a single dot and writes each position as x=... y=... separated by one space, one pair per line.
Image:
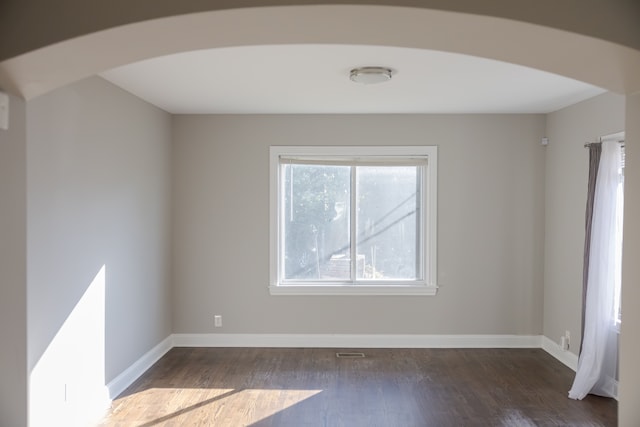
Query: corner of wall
x=13 y=268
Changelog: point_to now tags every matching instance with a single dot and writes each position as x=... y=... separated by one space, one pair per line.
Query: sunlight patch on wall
x=67 y=385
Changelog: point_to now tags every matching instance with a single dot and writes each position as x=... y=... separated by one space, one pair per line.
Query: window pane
x=387 y=222
x=316 y=222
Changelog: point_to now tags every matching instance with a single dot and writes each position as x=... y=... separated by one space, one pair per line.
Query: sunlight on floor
x=221 y=406
x=515 y=417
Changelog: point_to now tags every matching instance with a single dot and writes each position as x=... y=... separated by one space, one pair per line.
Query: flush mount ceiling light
x=371 y=75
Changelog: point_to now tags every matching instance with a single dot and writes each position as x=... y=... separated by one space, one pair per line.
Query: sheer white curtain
x=598 y=361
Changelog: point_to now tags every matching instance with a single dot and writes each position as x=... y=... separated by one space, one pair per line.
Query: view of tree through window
x=320 y=204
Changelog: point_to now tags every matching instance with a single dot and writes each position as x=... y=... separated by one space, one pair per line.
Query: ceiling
x=314 y=79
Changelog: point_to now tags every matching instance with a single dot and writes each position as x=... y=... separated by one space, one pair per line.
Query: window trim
x=428 y=286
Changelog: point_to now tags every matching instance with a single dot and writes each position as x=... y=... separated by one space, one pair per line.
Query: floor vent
x=349 y=355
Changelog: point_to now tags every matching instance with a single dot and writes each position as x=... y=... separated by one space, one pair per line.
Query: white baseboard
x=133 y=372
x=566 y=357
x=569 y=359
x=126 y=378
x=356 y=341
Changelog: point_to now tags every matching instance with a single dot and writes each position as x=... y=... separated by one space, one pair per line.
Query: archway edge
x=592 y=60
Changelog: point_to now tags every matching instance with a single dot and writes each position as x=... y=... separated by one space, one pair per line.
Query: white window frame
x=618 y=137
x=426 y=286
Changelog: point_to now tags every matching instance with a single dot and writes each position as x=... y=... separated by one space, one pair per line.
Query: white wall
x=629 y=410
x=13 y=270
x=98 y=242
x=491 y=207
x=567 y=166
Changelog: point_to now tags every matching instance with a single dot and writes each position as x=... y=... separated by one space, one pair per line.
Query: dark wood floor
x=389 y=387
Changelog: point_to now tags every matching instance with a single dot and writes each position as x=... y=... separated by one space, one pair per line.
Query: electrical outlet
x=217 y=321
x=567 y=335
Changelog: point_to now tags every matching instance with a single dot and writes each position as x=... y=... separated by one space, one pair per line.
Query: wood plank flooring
x=389 y=387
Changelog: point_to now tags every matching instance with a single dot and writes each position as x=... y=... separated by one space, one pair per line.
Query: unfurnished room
x=347 y=213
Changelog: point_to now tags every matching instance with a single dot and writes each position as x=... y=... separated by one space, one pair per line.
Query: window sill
x=396 y=290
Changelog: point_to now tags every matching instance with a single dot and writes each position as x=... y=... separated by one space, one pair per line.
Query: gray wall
x=98 y=202
x=567 y=165
x=13 y=269
x=491 y=222
x=629 y=392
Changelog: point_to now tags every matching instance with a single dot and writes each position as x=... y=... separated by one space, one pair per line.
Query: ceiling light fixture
x=371 y=75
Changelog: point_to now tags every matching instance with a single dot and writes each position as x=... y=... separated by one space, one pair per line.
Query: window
x=353 y=220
